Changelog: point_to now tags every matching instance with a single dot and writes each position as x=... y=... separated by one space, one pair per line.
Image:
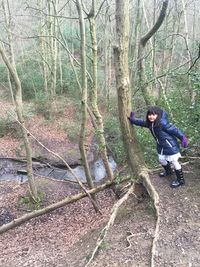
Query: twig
x=130 y=235
x=65 y=180
x=195 y=60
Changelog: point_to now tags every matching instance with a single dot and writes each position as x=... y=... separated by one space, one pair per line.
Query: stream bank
x=15 y=169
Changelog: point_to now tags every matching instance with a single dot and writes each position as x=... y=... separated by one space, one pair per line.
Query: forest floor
x=67 y=236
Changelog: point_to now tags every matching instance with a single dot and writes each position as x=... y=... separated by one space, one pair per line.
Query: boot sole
x=175 y=186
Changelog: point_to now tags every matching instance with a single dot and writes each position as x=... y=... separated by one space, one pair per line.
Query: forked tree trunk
x=19 y=110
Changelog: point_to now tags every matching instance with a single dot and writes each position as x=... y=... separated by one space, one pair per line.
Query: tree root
x=155 y=197
x=145 y=179
x=104 y=232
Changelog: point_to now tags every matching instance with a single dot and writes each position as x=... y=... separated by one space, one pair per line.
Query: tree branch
x=156 y=26
x=195 y=61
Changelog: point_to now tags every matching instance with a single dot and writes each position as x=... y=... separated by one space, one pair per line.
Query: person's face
x=152 y=117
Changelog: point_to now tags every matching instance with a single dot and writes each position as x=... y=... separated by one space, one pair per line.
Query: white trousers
x=163 y=159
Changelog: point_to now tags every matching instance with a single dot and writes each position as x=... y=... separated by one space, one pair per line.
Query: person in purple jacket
x=165 y=135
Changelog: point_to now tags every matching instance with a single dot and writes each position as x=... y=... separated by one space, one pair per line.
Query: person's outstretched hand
x=184 y=142
x=131 y=117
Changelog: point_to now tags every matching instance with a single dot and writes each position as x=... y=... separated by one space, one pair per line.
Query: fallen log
x=52 y=207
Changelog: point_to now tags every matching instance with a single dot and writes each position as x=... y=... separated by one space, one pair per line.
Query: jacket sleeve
x=173 y=130
x=140 y=122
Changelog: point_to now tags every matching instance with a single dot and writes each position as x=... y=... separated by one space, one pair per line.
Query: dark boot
x=168 y=170
x=180 y=180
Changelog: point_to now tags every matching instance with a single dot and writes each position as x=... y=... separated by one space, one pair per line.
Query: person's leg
x=179 y=175
x=166 y=165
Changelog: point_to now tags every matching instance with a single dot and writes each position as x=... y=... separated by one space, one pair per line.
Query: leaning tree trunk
x=95 y=110
x=142 y=45
x=84 y=101
x=19 y=108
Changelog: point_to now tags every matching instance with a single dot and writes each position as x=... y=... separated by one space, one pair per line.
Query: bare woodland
x=121 y=55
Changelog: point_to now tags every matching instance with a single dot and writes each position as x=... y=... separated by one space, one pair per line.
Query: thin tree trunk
x=54 y=46
x=84 y=99
x=44 y=62
x=52 y=54
x=19 y=110
x=107 y=59
x=192 y=93
x=60 y=69
x=95 y=110
x=134 y=46
x=7 y=14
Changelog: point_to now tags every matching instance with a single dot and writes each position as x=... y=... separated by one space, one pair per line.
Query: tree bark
x=19 y=110
x=84 y=100
x=123 y=86
x=8 y=21
x=95 y=110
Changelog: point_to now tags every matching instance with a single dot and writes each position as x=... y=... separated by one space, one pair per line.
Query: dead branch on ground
x=52 y=207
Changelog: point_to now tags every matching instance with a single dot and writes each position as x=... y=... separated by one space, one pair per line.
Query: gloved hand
x=131 y=117
x=184 y=141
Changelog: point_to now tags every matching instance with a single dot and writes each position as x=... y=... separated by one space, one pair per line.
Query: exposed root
x=144 y=177
x=104 y=232
x=154 y=195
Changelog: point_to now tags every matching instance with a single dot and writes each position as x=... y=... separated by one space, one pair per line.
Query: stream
x=11 y=169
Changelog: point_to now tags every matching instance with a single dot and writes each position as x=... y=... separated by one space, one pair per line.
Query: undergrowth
x=27 y=202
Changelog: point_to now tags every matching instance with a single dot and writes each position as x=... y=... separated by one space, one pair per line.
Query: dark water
x=16 y=170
